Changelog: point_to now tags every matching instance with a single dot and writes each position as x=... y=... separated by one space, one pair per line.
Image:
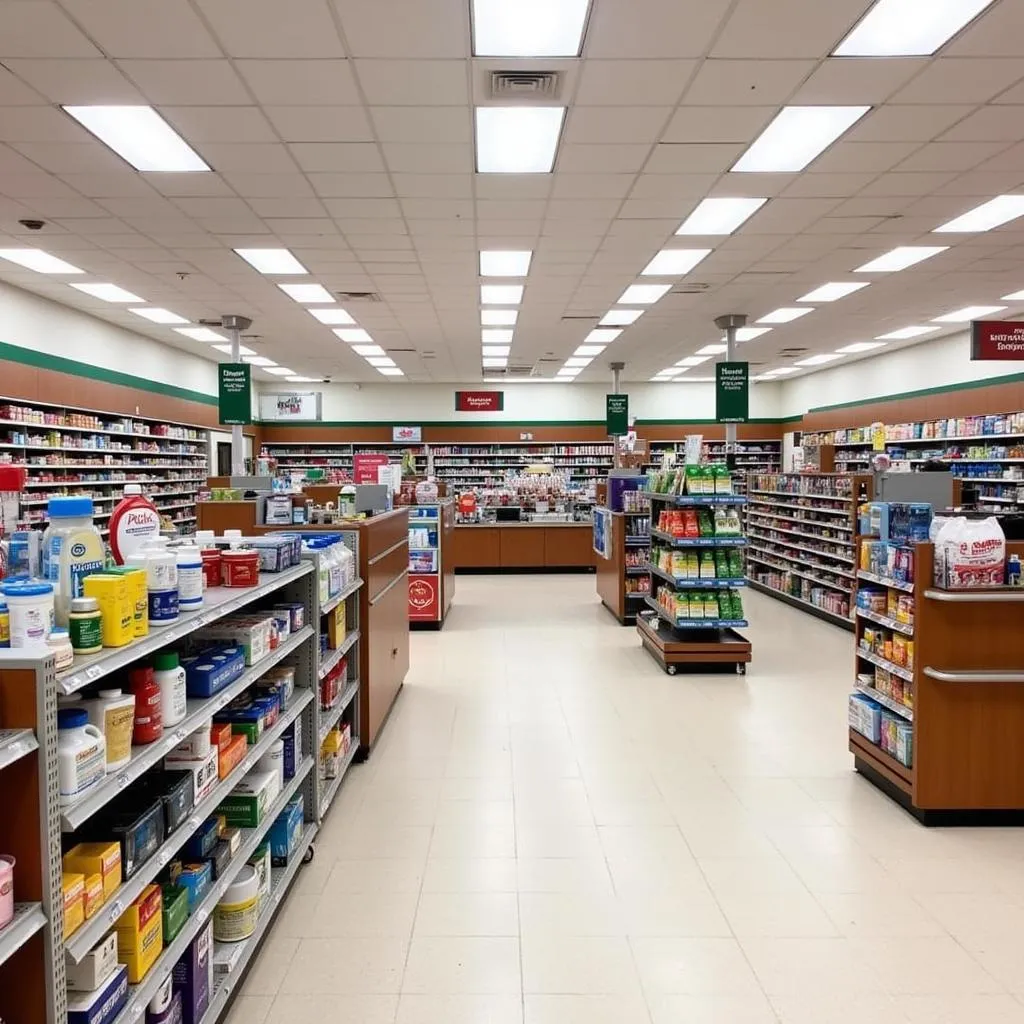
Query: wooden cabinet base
x=523 y=548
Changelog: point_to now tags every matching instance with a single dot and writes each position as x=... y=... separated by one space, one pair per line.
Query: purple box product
x=296 y=613
x=209 y=671
x=103 y=1004
x=193 y=976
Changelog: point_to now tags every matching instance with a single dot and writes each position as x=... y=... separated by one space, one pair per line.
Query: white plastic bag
x=970 y=553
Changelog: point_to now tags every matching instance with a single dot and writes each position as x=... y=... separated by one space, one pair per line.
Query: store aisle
x=553 y=831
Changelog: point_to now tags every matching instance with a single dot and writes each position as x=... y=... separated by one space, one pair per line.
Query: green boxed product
x=735 y=558
x=694 y=480
x=705 y=523
x=175 y=911
x=722 y=479
x=724 y=604
x=252 y=731
x=707 y=565
x=737 y=605
x=249 y=800
x=696 y=606
x=722 y=563
x=710 y=605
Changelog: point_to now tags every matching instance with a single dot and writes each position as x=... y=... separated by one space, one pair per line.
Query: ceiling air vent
x=789 y=353
x=691 y=288
x=358 y=296
x=512 y=370
x=525 y=85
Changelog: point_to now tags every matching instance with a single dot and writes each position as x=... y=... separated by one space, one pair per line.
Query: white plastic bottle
x=74 y=550
x=190 y=578
x=81 y=754
x=113 y=713
x=170 y=677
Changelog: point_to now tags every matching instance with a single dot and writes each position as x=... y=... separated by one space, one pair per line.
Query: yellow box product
x=336 y=627
x=74 y=902
x=94 y=896
x=136 y=580
x=103 y=859
x=140 y=933
x=117 y=606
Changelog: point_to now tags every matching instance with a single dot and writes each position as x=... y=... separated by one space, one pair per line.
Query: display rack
x=431 y=569
x=754 y=456
x=674 y=641
x=303 y=455
x=83 y=452
x=485 y=465
x=622 y=543
x=962 y=694
x=803 y=540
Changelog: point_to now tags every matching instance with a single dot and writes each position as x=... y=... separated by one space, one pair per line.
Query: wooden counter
x=524 y=546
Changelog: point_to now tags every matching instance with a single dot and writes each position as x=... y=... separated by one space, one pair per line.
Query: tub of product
x=235 y=916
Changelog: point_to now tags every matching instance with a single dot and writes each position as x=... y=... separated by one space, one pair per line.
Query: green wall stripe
x=45 y=361
x=524 y=424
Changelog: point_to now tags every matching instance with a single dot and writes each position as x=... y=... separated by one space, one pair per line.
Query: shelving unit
x=622 y=543
x=303 y=455
x=431 y=571
x=485 y=465
x=966 y=703
x=803 y=540
x=675 y=641
x=82 y=452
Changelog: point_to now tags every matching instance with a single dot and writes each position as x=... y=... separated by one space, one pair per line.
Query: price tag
x=180 y=736
x=137 y=1009
x=116 y=910
x=123 y=780
x=164 y=858
x=93 y=672
x=202 y=915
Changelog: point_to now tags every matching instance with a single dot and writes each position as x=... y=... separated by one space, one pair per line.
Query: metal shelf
x=220 y=601
x=696 y=499
x=804 y=547
x=332 y=715
x=343 y=768
x=889 y=666
x=906 y=628
x=140 y=995
x=150 y=755
x=691 y=583
x=336 y=655
x=825 y=614
x=96 y=927
x=699 y=542
x=346 y=592
x=907 y=588
x=28 y=919
x=886 y=702
x=15 y=744
x=846 y=498
x=696 y=623
x=800 y=533
x=754 y=556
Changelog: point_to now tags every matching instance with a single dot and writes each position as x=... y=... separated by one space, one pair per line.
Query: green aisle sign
x=234 y=393
x=732 y=392
x=617 y=414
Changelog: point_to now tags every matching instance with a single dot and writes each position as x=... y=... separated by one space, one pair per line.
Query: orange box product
x=94 y=896
x=231 y=756
x=74 y=902
x=220 y=735
x=910 y=654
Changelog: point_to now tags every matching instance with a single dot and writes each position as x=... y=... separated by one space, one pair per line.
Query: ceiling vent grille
x=513 y=370
x=359 y=296
x=691 y=288
x=525 y=85
x=788 y=353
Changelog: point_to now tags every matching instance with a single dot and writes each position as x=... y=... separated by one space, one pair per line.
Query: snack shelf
x=890 y=666
x=332 y=785
x=333 y=657
x=885 y=581
x=219 y=601
x=907 y=628
x=817 y=610
x=694 y=623
x=688 y=583
x=151 y=754
x=242 y=952
x=329 y=716
x=897 y=707
x=684 y=500
x=848 y=559
x=28 y=919
x=16 y=744
x=797 y=533
x=994 y=500
x=140 y=995
x=699 y=542
x=753 y=555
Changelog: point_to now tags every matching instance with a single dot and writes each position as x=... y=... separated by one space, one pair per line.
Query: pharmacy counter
x=523 y=547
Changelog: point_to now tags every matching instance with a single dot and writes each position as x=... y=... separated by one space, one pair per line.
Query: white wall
x=32 y=322
x=932 y=364
x=412 y=404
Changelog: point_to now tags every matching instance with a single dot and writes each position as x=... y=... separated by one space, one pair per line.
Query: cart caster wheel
x=309 y=854
x=671 y=669
x=741 y=669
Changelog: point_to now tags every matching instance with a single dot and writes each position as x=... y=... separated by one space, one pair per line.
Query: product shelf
x=699 y=542
x=834 y=570
x=16 y=744
x=28 y=425
x=638 y=542
x=346 y=592
x=694 y=623
x=800 y=533
x=684 y=500
x=757 y=508
x=848 y=559
x=330 y=716
x=333 y=785
x=635 y=570
x=140 y=995
x=885 y=581
x=897 y=707
x=28 y=919
x=689 y=583
x=907 y=628
x=333 y=657
x=242 y=952
x=817 y=610
x=219 y=601
x=845 y=498
x=753 y=555
x=151 y=754
x=111 y=481
x=890 y=666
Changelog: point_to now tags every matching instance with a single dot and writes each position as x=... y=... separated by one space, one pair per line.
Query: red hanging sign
x=479 y=401
x=997 y=339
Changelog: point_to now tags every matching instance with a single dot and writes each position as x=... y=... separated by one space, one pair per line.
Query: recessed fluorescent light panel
x=505 y=262
x=578 y=361
x=332 y=316
x=832 y=291
x=1014 y=297
x=693 y=361
x=908 y=28
x=490 y=336
x=797 y=136
x=819 y=360
x=280 y=371
x=780 y=372
x=307 y=293
x=107 y=292
x=39 y=261
x=719 y=216
x=140 y=136
x=602 y=336
x=906 y=332
x=305 y=380
x=159 y=316
x=272 y=261
x=258 y=361
x=989 y=215
x=501 y=294
x=496 y=350
x=517 y=140
x=390 y=371
x=353 y=335
x=712 y=350
x=750 y=333
x=200 y=334
x=494 y=362
x=589 y=350
x=860 y=346
x=368 y=350
x=674 y=262
x=242 y=350
x=529 y=28
x=498 y=317
x=785 y=315
x=643 y=294
x=967 y=314
x=380 y=361
x=900 y=258
x=620 y=317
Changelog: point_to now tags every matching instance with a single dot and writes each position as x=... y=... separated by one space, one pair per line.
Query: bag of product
x=970 y=553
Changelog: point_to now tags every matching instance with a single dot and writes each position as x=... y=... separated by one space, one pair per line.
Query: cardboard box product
x=140 y=936
x=203 y=769
x=95 y=967
x=220 y=734
x=175 y=911
x=117 y=607
x=232 y=756
x=250 y=799
x=193 y=976
x=336 y=627
x=94 y=897
x=197 y=879
x=212 y=669
x=260 y=860
x=102 y=1005
x=103 y=859
x=202 y=841
x=292 y=739
x=74 y=901
x=286 y=832
x=250 y=632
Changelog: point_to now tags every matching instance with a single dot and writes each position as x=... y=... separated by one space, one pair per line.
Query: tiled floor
x=553 y=831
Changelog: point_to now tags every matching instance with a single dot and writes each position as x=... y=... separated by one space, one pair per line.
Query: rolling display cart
x=710 y=639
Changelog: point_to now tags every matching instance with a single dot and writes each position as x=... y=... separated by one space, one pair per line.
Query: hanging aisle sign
x=479 y=401
x=732 y=392
x=616 y=408
x=997 y=339
x=234 y=393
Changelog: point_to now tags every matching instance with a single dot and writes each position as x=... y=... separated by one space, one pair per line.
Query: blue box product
x=292 y=739
x=197 y=879
x=286 y=832
x=202 y=841
x=213 y=668
x=865 y=716
x=296 y=614
x=101 y=1005
x=276 y=553
x=193 y=976
x=139 y=830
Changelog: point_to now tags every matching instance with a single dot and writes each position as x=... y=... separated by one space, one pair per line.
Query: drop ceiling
x=344 y=132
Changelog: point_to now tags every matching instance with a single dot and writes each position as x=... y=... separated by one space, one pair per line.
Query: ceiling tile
x=198 y=82
x=220 y=124
x=853 y=80
x=717 y=124
x=337 y=156
x=989 y=124
x=652 y=28
x=671 y=186
x=961 y=80
x=228 y=157
x=828 y=185
x=863 y=156
x=907 y=184
x=185 y=184
x=788 y=216
x=414 y=83
x=513 y=186
x=40 y=29
x=430 y=209
x=321 y=124
x=996 y=33
x=951 y=156
x=422 y=124
x=732 y=83
x=410 y=158
x=318 y=83
x=433 y=186
x=906 y=123
x=73 y=81
x=341 y=209
x=125 y=182
x=613 y=159
x=397 y=28
x=39 y=124
x=268 y=28
x=252 y=185
x=786 y=28
x=983 y=183
x=65 y=158
x=371 y=185
x=142 y=28
x=592 y=186
x=699 y=158
x=633 y=83
x=615 y=124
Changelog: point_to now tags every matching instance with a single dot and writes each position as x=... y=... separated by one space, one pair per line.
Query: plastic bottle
x=113 y=713
x=347 y=500
x=134 y=522
x=81 y=754
x=170 y=677
x=190 y=578
x=74 y=549
x=85 y=624
x=59 y=641
x=148 y=724
x=30 y=608
x=161 y=581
